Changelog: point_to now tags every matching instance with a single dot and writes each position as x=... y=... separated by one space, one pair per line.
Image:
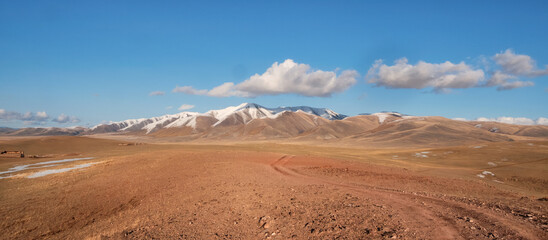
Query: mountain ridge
x=250 y=121
x=247 y=111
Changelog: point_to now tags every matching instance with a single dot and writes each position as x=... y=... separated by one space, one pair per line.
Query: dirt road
x=425 y=215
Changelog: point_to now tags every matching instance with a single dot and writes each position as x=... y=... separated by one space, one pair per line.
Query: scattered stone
x=264 y=222
x=128 y=232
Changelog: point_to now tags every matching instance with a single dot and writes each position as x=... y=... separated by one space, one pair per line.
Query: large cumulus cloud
x=287 y=77
x=509 y=69
x=422 y=75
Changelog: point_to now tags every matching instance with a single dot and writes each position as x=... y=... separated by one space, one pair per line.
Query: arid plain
x=135 y=187
x=274 y=120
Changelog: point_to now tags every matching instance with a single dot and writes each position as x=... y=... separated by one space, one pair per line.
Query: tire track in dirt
x=279 y=163
x=435 y=217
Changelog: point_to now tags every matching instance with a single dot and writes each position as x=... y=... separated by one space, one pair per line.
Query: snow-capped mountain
x=250 y=121
x=148 y=124
x=241 y=114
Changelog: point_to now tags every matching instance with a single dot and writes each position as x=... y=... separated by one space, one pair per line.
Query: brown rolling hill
x=360 y=130
x=427 y=131
x=250 y=121
x=510 y=129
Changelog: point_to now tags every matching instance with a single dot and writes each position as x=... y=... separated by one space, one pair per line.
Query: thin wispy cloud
x=66 y=119
x=441 y=77
x=287 y=77
x=185 y=107
x=156 y=93
x=504 y=81
x=190 y=90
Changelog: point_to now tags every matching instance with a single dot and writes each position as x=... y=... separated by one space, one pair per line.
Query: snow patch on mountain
x=322 y=112
x=250 y=111
x=150 y=124
x=185 y=119
x=246 y=111
x=384 y=115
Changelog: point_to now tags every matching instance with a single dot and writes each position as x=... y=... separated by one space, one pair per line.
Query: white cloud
x=41 y=115
x=8 y=115
x=513 y=66
x=542 y=121
x=38 y=118
x=27 y=118
x=291 y=77
x=515 y=84
x=226 y=90
x=444 y=76
x=440 y=76
x=517 y=64
x=66 y=119
x=169 y=107
x=515 y=120
x=189 y=90
x=283 y=78
x=501 y=81
x=185 y=107
x=156 y=93
x=510 y=120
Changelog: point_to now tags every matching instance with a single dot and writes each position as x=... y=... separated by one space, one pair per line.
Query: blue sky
x=99 y=61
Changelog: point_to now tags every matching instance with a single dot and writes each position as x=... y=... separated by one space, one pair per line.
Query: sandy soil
x=267 y=190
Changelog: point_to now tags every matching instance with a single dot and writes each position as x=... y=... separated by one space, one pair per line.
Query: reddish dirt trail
x=431 y=217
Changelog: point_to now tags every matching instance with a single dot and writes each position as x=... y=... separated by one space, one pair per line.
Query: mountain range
x=250 y=121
